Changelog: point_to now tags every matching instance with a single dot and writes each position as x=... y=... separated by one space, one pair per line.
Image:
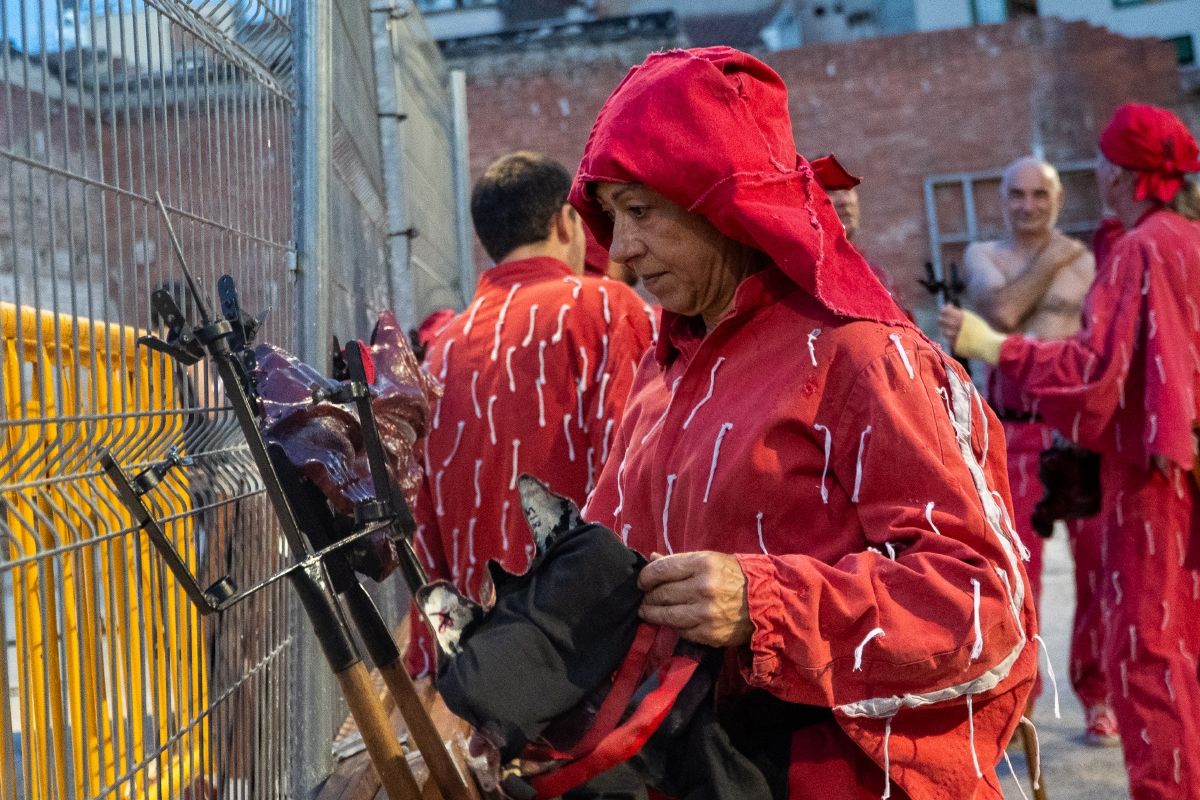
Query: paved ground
x=1071 y=770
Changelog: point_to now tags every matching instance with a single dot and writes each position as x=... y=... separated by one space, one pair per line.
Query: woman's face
x=688 y=265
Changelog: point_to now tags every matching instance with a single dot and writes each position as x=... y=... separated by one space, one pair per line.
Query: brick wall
x=895 y=109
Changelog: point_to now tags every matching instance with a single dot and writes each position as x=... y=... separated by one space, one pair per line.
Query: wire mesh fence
x=115 y=686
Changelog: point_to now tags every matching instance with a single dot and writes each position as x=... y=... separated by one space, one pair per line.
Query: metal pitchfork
x=224 y=341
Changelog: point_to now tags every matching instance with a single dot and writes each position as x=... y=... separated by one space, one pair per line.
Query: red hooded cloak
x=820 y=437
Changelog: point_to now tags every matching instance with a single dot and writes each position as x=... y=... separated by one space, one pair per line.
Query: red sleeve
x=1078 y=383
x=419 y=657
x=935 y=605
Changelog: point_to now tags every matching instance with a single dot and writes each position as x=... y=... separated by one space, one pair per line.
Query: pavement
x=1071 y=770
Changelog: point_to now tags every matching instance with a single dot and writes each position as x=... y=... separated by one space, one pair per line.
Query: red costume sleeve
x=920 y=612
x=1079 y=383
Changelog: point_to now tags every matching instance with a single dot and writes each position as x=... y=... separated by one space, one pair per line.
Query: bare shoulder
x=1066 y=249
x=981 y=254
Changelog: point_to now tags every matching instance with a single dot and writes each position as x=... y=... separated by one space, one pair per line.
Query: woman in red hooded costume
x=826 y=488
x=1125 y=386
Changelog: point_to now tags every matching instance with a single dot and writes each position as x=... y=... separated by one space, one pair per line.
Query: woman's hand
x=701 y=594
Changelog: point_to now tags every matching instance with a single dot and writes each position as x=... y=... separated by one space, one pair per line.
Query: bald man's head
x=1031 y=195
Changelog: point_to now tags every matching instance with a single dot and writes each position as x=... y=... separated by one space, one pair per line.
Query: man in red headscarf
x=1032 y=281
x=826 y=487
x=1126 y=387
x=536 y=370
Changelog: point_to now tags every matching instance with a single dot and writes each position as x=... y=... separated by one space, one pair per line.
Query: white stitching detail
x=858 y=651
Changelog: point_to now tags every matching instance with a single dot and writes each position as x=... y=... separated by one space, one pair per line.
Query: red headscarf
x=1153 y=142
x=709 y=130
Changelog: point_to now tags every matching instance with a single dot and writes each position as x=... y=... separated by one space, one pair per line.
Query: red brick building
x=897 y=110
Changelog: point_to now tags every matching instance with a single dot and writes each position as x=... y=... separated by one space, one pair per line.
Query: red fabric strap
x=625 y=741
x=628 y=678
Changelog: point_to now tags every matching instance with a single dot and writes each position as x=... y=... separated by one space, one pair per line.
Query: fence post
x=464 y=240
x=310 y=686
x=389 y=91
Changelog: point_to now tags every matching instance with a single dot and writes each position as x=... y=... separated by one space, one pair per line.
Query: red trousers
x=1025 y=442
x=1151 y=607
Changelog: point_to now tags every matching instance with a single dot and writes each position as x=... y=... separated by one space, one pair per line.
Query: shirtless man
x=1032 y=282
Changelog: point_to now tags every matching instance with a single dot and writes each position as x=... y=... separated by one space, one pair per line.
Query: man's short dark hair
x=514 y=201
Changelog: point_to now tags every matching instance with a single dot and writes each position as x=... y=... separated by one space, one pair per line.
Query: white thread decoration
x=858 y=651
x=600 y=395
x=541 y=403
x=929 y=517
x=712 y=382
x=977 y=648
x=457 y=441
x=608 y=427
x=653 y=323
x=445 y=359
x=607 y=313
x=620 y=488
x=512 y=381
x=504 y=525
x=825 y=469
x=500 y=320
x=887 y=760
x=491 y=418
x=761 y=544
x=1013 y=772
x=858 y=468
x=666 y=512
x=532 y=318
x=471 y=317
x=567 y=436
x=971 y=726
x=478 y=490
x=512 y=483
x=712 y=469
x=475 y=394
x=812 y=338
x=603 y=356
x=471 y=540
x=437 y=488
x=558 y=332
x=903 y=355
x=1050 y=674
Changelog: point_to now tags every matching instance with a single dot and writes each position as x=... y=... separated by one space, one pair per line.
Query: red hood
x=709 y=130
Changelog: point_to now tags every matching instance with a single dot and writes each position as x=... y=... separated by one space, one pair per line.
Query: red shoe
x=1101 y=727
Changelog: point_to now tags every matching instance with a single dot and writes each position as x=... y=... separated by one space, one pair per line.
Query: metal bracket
x=217 y=597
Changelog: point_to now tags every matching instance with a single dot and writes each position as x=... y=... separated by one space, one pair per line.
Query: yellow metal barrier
x=110 y=658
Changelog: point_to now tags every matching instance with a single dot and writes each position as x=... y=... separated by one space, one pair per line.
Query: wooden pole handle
x=382 y=746
x=442 y=768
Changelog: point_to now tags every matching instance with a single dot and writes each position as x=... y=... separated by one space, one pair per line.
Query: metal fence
x=115 y=687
